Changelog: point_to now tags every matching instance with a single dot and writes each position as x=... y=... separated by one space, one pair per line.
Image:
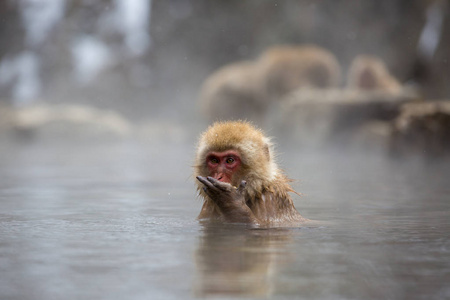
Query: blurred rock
x=63 y=121
x=323 y=116
x=79 y=122
x=64 y=116
x=423 y=129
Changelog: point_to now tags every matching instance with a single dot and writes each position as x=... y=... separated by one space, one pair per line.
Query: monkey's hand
x=229 y=199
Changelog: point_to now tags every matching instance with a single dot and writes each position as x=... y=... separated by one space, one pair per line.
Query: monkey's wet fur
x=239 y=180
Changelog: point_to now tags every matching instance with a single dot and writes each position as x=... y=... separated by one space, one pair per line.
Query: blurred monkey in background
x=245 y=90
x=234 y=92
x=369 y=73
x=288 y=68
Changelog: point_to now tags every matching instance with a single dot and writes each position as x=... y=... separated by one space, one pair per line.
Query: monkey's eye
x=213 y=160
x=230 y=160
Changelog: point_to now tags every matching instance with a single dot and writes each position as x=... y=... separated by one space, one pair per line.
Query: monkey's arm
x=229 y=200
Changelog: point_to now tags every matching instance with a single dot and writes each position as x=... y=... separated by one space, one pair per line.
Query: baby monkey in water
x=239 y=179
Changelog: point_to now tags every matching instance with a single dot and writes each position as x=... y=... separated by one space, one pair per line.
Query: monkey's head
x=370 y=73
x=235 y=151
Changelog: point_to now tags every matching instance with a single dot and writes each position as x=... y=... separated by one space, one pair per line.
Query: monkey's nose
x=218 y=176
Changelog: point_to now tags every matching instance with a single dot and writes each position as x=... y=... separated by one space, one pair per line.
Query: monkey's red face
x=222 y=165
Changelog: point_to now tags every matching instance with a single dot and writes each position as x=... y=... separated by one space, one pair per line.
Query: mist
x=101 y=106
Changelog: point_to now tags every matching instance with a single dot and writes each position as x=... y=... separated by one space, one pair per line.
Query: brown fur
x=245 y=89
x=233 y=92
x=267 y=189
x=287 y=68
x=371 y=74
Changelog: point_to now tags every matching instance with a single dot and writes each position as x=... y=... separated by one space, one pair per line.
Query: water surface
x=116 y=220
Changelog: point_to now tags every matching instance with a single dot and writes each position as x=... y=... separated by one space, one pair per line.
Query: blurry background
x=100 y=113
x=148 y=59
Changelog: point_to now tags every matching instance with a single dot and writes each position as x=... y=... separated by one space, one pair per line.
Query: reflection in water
x=238 y=260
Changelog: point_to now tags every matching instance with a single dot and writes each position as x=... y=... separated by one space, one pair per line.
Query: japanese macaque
x=233 y=92
x=369 y=73
x=422 y=128
x=287 y=68
x=239 y=179
x=244 y=90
